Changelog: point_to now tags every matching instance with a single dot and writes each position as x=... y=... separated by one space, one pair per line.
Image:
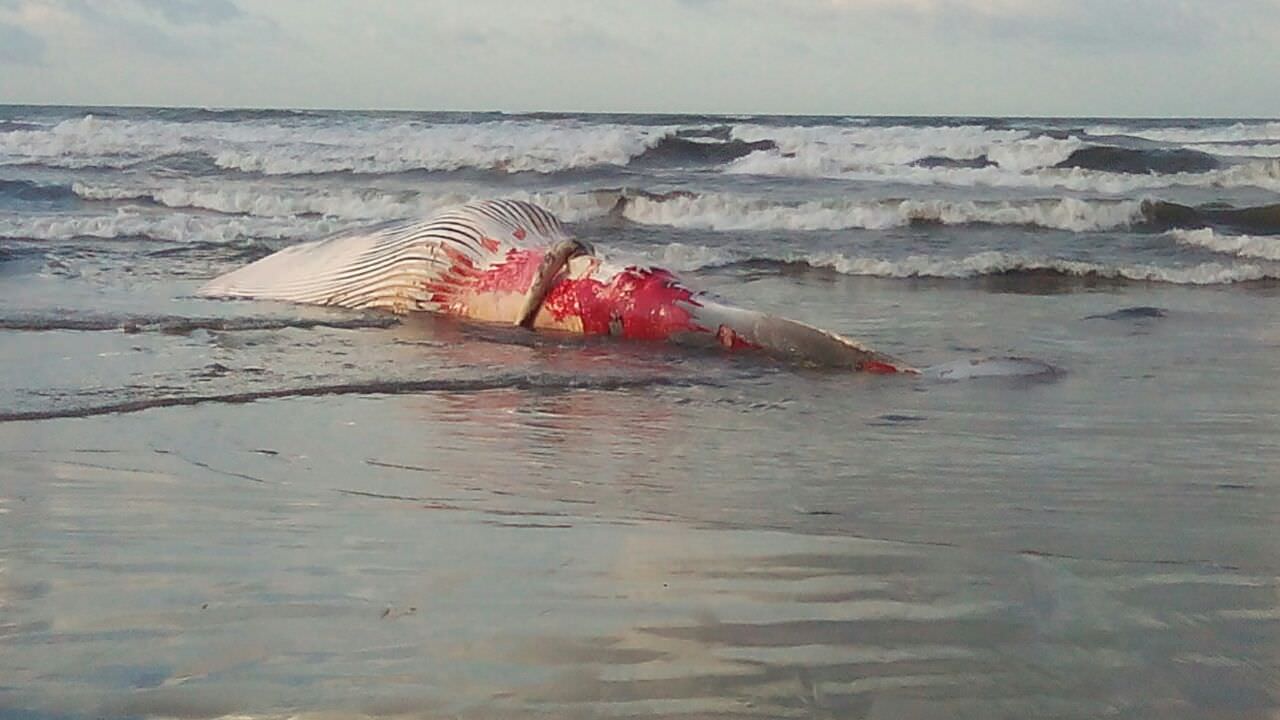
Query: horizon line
x=494 y=111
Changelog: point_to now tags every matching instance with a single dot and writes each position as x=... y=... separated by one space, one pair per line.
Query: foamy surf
x=727 y=213
x=169 y=227
x=1235 y=132
x=311 y=146
x=692 y=258
x=1245 y=246
x=1263 y=173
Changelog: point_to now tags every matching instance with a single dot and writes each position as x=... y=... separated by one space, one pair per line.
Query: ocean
x=252 y=509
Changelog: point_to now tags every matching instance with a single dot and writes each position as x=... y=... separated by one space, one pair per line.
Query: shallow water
x=212 y=509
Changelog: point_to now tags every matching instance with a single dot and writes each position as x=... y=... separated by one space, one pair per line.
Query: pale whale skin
x=512 y=262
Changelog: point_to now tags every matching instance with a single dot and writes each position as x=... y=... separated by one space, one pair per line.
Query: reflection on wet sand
x=844 y=628
x=284 y=597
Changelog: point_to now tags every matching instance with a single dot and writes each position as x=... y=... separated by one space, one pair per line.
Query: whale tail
x=791 y=340
x=397 y=266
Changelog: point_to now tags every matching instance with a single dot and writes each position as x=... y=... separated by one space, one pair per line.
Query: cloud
x=19 y=47
x=800 y=56
x=170 y=28
x=1084 y=26
x=188 y=12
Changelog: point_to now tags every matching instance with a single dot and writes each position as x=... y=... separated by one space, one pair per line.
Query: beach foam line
x=177 y=325
x=371 y=387
x=690 y=258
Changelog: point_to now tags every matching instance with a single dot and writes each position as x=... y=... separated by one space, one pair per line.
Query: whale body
x=512 y=262
x=507 y=261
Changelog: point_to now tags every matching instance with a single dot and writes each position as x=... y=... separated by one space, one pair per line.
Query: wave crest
x=988 y=264
x=728 y=212
x=1245 y=246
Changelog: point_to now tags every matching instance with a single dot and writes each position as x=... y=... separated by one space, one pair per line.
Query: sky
x=1128 y=58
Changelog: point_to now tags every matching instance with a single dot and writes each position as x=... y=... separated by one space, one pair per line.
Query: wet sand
x=567 y=529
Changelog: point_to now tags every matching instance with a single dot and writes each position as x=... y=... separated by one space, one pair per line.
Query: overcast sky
x=979 y=57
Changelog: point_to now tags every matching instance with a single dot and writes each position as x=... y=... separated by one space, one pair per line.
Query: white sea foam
x=242 y=213
x=508 y=146
x=1249 y=150
x=370 y=146
x=689 y=258
x=1237 y=132
x=1245 y=246
x=172 y=227
x=1262 y=173
x=826 y=149
x=712 y=211
x=266 y=200
x=995 y=263
x=729 y=212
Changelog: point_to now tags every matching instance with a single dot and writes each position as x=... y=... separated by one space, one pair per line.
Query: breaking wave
x=1245 y=246
x=993 y=263
x=826 y=149
x=170 y=227
x=304 y=145
x=217 y=212
x=1261 y=173
x=1250 y=150
x=314 y=147
x=234 y=198
x=1234 y=133
x=690 y=258
x=31 y=191
x=729 y=212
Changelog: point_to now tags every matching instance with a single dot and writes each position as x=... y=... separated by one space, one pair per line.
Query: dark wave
x=1137 y=312
x=934 y=161
x=724 y=133
x=15 y=126
x=35 y=192
x=187 y=163
x=370 y=387
x=1162 y=215
x=617 y=198
x=1014 y=276
x=674 y=150
x=228 y=115
x=176 y=325
x=1140 y=162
